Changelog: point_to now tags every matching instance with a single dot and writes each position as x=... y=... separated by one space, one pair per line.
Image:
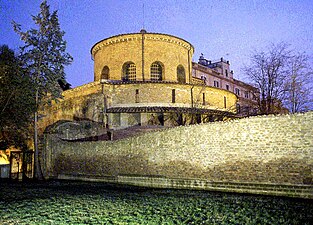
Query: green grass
x=92 y=203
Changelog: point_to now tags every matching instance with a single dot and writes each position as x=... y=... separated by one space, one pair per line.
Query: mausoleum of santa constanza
x=148 y=80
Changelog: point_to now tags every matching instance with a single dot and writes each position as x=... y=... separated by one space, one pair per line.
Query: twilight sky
x=229 y=28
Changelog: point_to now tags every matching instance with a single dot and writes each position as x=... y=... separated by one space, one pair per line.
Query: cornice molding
x=138 y=36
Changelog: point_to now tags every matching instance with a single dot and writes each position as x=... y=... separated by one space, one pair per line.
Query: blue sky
x=229 y=29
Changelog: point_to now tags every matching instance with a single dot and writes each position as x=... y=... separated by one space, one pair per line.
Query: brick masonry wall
x=87 y=101
x=267 y=149
x=169 y=50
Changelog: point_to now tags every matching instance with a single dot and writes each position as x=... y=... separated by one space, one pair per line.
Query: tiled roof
x=166 y=109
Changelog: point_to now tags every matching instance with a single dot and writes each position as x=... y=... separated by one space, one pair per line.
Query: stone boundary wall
x=272 y=153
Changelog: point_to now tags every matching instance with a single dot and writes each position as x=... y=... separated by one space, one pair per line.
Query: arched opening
x=105 y=73
x=129 y=71
x=181 y=75
x=156 y=71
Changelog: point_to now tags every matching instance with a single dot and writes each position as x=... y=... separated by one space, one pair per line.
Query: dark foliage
x=17 y=102
x=44 y=55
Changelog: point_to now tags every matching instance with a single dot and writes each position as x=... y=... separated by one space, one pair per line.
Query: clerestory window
x=129 y=71
x=181 y=76
x=105 y=73
x=156 y=71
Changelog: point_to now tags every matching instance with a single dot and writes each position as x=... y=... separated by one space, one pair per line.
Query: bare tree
x=268 y=71
x=298 y=86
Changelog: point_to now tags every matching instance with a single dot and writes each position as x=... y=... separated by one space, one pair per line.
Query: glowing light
x=4 y=159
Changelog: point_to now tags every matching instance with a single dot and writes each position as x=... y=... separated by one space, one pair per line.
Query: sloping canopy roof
x=167 y=109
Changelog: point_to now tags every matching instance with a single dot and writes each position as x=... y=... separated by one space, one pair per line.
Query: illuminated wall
x=88 y=101
x=259 y=150
x=142 y=49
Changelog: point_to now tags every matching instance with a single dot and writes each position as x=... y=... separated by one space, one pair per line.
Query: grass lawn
x=57 y=202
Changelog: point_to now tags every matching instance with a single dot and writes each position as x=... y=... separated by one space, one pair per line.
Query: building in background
x=218 y=74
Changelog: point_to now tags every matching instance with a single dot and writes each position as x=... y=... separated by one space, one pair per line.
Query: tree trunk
x=37 y=172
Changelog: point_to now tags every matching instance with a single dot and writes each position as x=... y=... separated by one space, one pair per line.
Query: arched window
x=105 y=73
x=181 y=76
x=156 y=71
x=129 y=71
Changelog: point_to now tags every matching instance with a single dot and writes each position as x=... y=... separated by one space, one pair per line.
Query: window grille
x=129 y=72
x=156 y=71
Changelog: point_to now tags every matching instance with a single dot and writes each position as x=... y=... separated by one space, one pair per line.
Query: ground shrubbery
x=90 y=203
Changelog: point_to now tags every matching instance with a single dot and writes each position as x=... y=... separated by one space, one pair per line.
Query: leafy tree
x=43 y=57
x=16 y=100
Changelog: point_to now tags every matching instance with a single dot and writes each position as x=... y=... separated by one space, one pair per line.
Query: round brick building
x=143 y=56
